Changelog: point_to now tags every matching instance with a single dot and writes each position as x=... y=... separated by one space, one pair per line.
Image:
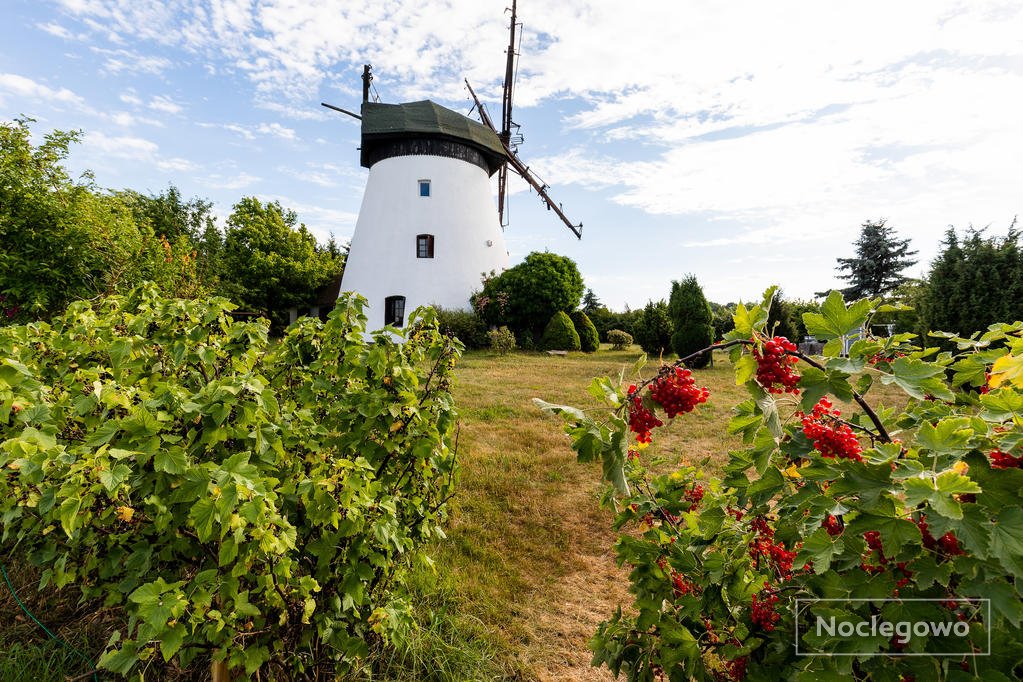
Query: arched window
x=394 y=310
x=424 y=246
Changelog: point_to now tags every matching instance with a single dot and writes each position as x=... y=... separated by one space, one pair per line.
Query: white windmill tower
x=427 y=228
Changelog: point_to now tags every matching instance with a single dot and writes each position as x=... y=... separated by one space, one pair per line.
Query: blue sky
x=744 y=142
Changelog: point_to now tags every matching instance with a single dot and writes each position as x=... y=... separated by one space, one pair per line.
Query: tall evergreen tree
x=974 y=282
x=879 y=260
x=591 y=302
x=692 y=319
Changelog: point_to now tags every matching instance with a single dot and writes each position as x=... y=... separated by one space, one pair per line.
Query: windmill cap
x=385 y=123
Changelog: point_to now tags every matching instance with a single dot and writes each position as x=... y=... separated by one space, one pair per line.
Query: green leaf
x=948 y=435
x=938 y=491
x=745 y=369
x=114 y=477
x=743 y=323
x=120 y=661
x=171 y=640
x=201 y=515
x=1007 y=540
x=835 y=320
x=68 y=513
x=820 y=548
x=918 y=378
x=564 y=410
x=170 y=461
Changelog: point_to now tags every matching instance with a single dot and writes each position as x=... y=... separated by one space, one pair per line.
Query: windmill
x=427 y=229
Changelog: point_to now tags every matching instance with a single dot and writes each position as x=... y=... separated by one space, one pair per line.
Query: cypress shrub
x=560 y=334
x=589 y=339
x=654 y=328
x=693 y=321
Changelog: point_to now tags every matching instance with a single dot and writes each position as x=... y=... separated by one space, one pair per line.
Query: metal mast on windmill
x=505 y=136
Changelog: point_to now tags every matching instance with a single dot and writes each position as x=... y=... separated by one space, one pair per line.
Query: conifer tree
x=692 y=319
x=879 y=260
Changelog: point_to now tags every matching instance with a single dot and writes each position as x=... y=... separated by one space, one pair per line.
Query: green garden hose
x=46 y=629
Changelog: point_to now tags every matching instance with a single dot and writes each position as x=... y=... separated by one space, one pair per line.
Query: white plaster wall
x=460 y=213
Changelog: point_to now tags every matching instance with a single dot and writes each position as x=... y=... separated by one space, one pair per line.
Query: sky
x=743 y=142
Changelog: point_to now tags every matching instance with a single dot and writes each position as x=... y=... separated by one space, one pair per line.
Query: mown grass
x=526 y=571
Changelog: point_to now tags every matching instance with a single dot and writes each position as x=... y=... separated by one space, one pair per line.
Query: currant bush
x=919 y=503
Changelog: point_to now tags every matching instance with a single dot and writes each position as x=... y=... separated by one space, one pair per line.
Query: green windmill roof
x=427 y=119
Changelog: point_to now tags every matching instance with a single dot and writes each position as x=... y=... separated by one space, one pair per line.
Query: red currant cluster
x=880 y=357
x=947 y=545
x=832 y=525
x=641 y=419
x=677 y=393
x=1003 y=460
x=907 y=576
x=736 y=668
x=683 y=586
x=774 y=553
x=874 y=546
x=774 y=365
x=737 y=513
x=876 y=552
x=8 y=311
x=763 y=612
x=693 y=496
x=831 y=437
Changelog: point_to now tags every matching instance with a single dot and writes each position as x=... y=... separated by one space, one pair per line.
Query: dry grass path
x=529 y=548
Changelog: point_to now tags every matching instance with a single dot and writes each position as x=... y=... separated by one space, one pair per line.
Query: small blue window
x=424 y=188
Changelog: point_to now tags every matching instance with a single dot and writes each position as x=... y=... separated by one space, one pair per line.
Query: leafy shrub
x=560 y=334
x=692 y=319
x=526 y=295
x=525 y=340
x=618 y=339
x=252 y=504
x=589 y=341
x=817 y=507
x=465 y=325
x=501 y=340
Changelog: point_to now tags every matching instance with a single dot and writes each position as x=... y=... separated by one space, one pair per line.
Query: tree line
x=64 y=239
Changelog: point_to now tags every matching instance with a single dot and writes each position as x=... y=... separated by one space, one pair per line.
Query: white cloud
x=176 y=164
x=165 y=104
x=124 y=119
x=26 y=87
x=250 y=132
x=324 y=174
x=232 y=182
x=55 y=29
x=99 y=148
x=131 y=97
x=121 y=146
x=128 y=61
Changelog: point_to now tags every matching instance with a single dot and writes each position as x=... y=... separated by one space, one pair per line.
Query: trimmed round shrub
x=560 y=334
x=501 y=340
x=589 y=340
x=618 y=339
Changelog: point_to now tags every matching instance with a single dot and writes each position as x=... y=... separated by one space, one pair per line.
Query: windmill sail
x=522 y=170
